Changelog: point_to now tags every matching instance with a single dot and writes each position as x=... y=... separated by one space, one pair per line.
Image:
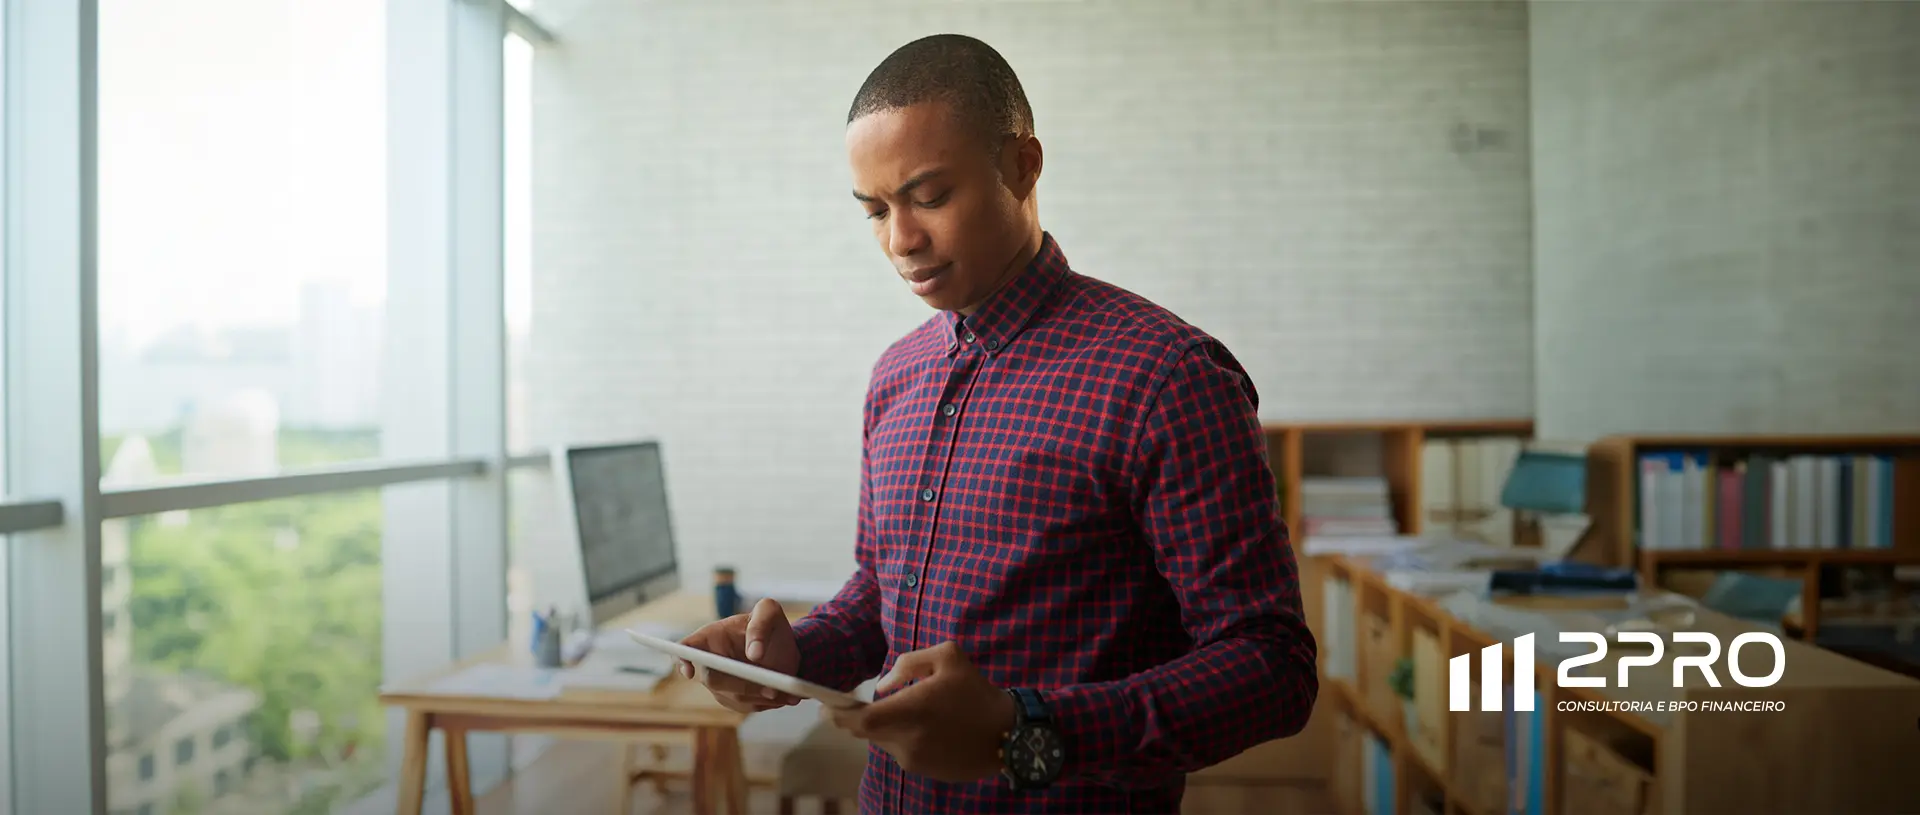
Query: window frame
x=446 y=277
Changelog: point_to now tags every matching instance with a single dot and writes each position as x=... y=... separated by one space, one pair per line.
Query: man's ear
x=1020 y=161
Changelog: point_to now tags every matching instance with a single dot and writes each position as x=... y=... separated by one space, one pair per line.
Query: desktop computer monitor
x=615 y=502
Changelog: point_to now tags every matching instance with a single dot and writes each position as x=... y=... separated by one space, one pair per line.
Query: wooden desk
x=1834 y=743
x=673 y=706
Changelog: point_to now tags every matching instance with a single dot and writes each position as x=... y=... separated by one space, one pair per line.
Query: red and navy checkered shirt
x=1072 y=484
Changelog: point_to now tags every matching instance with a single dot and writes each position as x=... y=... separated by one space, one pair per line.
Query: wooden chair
x=669 y=757
x=826 y=766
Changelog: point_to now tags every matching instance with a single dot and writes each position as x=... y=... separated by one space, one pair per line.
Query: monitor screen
x=620 y=502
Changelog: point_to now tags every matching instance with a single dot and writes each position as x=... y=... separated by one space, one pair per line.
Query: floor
x=576 y=778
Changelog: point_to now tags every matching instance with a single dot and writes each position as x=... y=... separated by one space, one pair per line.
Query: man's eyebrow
x=907 y=187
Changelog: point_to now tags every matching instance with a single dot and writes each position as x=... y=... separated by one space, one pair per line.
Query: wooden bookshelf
x=1614 y=504
x=1402 y=445
x=1839 y=743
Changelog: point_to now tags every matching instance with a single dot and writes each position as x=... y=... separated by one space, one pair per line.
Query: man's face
x=943 y=215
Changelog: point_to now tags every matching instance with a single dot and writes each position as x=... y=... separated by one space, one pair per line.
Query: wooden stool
x=827 y=766
x=672 y=759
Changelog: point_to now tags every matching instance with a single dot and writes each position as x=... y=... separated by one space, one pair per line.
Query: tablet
x=750 y=672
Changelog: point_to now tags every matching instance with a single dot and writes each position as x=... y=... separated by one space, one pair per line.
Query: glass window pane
x=4 y=254
x=6 y=602
x=242 y=656
x=242 y=230
x=518 y=114
x=533 y=524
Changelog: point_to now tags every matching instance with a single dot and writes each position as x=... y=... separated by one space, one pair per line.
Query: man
x=1071 y=564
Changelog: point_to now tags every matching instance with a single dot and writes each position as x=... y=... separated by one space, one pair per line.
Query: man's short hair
x=978 y=85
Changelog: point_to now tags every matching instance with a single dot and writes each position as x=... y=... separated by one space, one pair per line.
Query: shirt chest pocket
x=1045 y=487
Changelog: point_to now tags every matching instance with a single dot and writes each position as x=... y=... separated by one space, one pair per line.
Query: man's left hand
x=946 y=725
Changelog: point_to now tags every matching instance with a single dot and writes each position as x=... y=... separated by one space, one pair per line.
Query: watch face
x=1035 y=755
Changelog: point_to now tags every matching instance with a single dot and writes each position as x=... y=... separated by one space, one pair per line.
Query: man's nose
x=905 y=236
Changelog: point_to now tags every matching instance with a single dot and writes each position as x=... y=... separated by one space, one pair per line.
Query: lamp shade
x=1546 y=482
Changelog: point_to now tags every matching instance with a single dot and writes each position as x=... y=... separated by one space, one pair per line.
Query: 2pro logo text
x=1492 y=665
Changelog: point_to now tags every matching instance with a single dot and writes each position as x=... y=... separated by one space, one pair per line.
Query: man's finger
x=778 y=697
x=851 y=720
x=902 y=710
x=767 y=619
x=732 y=685
x=914 y=665
x=721 y=641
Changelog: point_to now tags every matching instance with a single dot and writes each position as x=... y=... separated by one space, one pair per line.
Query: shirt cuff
x=1094 y=722
x=815 y=638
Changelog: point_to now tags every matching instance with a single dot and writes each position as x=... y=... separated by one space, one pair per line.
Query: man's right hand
x=762 y=637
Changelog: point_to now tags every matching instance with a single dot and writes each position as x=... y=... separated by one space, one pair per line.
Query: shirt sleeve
x=841 y=642
x=1206 y=497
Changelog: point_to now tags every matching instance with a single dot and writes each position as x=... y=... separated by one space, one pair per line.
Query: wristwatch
x=1032 y=753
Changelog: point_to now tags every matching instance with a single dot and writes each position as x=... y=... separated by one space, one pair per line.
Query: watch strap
x=1029 y=708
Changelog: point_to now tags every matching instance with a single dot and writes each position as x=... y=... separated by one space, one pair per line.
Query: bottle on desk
x=726 y=597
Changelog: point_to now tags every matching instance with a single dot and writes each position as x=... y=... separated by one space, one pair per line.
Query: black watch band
x=1033 y=753
x=1029 y=708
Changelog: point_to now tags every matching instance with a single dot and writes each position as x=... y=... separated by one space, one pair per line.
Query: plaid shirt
x=1073 y=485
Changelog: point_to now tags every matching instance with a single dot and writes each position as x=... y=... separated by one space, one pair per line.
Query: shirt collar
x=995 y=324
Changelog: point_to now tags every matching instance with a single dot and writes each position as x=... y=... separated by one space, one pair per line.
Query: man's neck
x=1021 y=260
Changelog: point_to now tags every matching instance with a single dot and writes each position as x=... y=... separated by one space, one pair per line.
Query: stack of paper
x=499 y=681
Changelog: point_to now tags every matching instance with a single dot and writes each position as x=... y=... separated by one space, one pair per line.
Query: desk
x=674 y=705
x=1827 y=737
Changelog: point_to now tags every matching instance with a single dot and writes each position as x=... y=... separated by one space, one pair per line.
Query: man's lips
x=926 y=274
x=924 y=281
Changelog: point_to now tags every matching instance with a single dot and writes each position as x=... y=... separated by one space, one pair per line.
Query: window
x=518 y=247
x=4 y=195
x=6 y=603
x=242 y=233
x=533 y=523
x=267 y=614
x=244 y=242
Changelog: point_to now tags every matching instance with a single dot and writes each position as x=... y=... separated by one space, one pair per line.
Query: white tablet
x=750 y=672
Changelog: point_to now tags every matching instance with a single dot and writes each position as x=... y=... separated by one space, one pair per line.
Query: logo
x=1493 y=665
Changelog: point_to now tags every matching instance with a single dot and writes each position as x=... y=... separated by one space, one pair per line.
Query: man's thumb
x=766 y=620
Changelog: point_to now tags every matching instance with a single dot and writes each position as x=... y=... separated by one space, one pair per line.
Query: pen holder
x=540 y=626
x=549 y=640
x=726 y=598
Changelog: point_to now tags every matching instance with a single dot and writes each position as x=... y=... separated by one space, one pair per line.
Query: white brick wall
x=1285 y=175
x=1729 y=217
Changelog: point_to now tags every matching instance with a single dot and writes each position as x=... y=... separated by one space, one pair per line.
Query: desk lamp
x=1545 y=482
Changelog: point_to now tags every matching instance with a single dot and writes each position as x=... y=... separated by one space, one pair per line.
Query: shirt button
x=993 y=345
x=970 y=338
x=926 y=494
x=947 y=409
x=913 y=580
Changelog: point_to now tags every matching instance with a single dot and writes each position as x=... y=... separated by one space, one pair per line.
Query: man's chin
x=942 y=301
